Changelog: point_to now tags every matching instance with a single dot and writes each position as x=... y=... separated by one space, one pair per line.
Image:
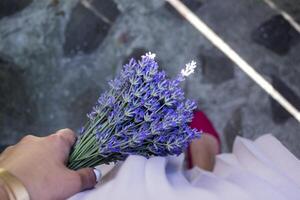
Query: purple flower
x=143 y=113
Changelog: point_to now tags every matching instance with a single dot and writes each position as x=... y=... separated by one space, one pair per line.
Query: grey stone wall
x=57 y=56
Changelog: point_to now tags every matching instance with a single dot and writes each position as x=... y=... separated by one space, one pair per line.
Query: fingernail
x=97 y=174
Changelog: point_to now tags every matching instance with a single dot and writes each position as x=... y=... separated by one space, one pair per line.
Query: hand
x=40 y=164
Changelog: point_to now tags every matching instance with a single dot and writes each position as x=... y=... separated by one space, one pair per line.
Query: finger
x=88 y=178
x=79 y=180
x=29 y=138
x=61 y=143
x=7 y=150
x=67 y=135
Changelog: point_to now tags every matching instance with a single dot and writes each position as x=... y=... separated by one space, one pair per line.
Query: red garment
x=202 y=123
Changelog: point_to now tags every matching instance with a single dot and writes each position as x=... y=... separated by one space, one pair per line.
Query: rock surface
x=88 y=26
x=11 y=7
x=57 y=56
x=216 y=67
x=276 y=34
x=280 y=115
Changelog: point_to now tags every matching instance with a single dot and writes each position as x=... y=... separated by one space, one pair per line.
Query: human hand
x=40 y=164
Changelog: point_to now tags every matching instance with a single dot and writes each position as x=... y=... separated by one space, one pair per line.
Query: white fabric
x=259 y=170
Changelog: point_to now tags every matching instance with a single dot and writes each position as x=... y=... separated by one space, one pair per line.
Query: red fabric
x=202 y=123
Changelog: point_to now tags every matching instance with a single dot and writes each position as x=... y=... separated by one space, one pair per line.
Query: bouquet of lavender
x=143 y=113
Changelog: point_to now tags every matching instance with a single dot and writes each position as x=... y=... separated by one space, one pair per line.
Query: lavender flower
x=143 y=113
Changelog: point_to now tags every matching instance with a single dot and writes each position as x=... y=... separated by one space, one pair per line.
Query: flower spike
x=150 y=55
x=144 y=113
x=189 y=68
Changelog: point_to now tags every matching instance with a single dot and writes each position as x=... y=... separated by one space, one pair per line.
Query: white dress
x=259 y=170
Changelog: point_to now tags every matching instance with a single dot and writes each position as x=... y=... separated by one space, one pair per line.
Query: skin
x=3 y=195
x=40 y=164
x=203 y=152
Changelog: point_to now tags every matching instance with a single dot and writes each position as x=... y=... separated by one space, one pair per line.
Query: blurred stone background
x=56 y=58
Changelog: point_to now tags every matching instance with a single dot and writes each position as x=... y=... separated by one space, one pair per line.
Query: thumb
x=80 y=180
x=88 y=177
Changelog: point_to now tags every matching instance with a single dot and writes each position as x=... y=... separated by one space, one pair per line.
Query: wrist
x=12 y=187
x=3 y=194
